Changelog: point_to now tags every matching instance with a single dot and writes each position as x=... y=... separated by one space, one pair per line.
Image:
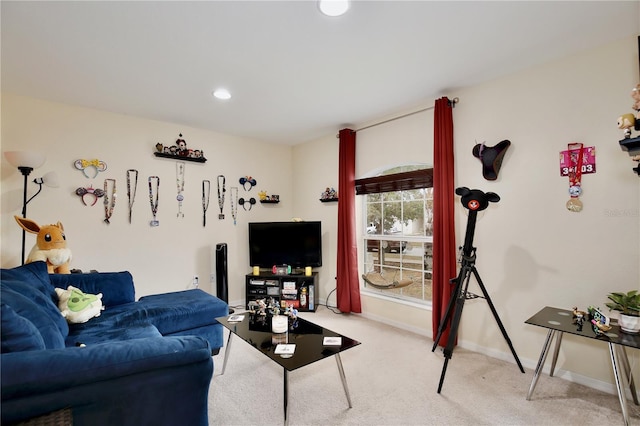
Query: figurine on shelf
x=329 y=194
x=182 y=147
x=262 y=195
x=179 y=149
x=626 y=122
x=635 y=94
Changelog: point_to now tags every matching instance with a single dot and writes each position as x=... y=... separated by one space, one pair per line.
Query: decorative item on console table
x=262 y=313
x=628 y=304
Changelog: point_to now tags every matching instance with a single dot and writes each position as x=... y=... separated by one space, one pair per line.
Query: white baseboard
x=531 y=364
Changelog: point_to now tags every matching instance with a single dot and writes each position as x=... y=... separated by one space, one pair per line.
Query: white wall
x=161 y=259
x=532 y=252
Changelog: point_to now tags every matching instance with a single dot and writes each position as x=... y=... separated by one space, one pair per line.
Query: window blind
x=404 y=181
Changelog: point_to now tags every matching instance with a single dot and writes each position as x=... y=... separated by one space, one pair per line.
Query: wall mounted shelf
x=269 y=201
x=630 y=144
x=328 y=200
x=180 y=158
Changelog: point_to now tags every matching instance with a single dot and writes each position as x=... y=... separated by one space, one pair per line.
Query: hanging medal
x=206 y=191
x=180 y=184
x=131 y=194
x=221 y=191
x=234 y=203
x=154 y=200
x=575 y=177
x=109 y=202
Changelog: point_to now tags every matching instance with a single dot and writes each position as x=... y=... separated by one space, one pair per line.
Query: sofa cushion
x=18 y=333
x=105 y=333
x=32 y=281
x=37 y=314
x=125 y=315
x=35 y=273
x=116 y=287
x=182 y=310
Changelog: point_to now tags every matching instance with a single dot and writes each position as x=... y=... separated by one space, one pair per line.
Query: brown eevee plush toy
x=50 y=247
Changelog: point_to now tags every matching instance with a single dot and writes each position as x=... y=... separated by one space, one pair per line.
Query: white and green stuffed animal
x=78 y=307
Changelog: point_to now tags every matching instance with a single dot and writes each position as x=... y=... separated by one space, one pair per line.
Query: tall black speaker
x=222 y=274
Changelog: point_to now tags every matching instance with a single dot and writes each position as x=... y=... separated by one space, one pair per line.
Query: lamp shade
x=50 y=179
x=29 y=159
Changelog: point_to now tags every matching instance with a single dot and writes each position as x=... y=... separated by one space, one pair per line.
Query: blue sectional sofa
x=139 y=362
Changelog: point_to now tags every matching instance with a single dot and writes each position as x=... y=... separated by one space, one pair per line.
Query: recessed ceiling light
x=333 y=7
x=222 y=94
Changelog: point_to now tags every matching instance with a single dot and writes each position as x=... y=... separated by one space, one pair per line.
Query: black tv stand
x=268 y=285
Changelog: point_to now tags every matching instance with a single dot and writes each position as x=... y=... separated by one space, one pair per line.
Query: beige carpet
x=393 y=379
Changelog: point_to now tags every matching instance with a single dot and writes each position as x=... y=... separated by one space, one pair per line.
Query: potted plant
x=628 y=304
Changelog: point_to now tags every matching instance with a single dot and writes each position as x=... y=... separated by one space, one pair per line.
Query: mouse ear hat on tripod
x=491 y=157
x=475 y=199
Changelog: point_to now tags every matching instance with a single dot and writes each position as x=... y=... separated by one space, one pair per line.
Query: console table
x=560 y=321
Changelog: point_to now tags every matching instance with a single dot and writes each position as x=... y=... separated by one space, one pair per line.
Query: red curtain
x=347 y=285
x=444 y=238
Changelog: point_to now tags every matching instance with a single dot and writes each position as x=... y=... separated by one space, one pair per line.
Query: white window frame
x=392 y=295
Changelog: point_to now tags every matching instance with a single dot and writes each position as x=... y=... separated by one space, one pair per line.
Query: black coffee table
x=309 y=340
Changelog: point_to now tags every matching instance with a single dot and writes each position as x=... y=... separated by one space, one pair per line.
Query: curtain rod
x=453 y=103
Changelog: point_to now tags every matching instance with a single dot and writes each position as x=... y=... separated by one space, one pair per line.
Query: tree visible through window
x=398 y=239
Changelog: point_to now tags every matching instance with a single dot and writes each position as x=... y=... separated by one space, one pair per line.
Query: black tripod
x=474 y=200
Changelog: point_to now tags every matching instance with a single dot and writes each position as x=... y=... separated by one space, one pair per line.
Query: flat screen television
x=297 y=244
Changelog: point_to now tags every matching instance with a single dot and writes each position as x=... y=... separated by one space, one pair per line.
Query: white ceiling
x=295 y=75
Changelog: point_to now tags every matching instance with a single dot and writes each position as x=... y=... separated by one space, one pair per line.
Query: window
x=398 y=239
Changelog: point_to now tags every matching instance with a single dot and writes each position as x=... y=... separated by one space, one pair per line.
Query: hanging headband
x=247 y=180
x=251 y=201
x=97 y=165
x=94 y=192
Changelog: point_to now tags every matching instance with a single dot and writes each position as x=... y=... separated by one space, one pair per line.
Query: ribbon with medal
x=575 y=177
x=575 y=162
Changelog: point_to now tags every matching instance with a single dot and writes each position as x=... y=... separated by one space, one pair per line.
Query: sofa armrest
x=115 y=377
x=117 y=288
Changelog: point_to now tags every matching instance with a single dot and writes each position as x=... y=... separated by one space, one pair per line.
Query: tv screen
x=297 y=244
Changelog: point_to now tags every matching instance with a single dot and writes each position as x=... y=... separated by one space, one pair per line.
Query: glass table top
x=308 y=337
x=562 y=320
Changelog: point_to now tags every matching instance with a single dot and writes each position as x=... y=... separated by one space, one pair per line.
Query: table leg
x=343 y=378
x=555 y=353
x=619 y=382
x=543 y=356
x=226 y=353
x=628 y=374
x=286 y=397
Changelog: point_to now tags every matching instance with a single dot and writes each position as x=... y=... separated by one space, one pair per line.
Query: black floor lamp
x=26 y=161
